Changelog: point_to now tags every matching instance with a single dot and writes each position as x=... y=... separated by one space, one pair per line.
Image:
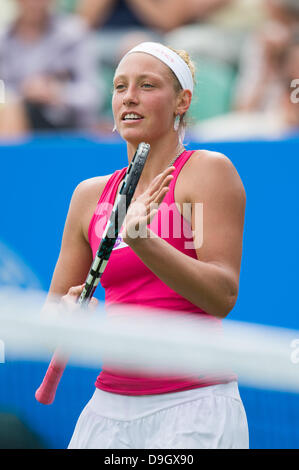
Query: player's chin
x=134 y=136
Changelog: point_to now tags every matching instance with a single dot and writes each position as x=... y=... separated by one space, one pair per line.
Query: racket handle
x=45 y=394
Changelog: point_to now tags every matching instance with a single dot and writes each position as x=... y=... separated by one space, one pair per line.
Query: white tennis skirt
x=204 y=418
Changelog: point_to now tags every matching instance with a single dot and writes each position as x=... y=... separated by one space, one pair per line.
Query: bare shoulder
x=91 y=188
x=213 y=171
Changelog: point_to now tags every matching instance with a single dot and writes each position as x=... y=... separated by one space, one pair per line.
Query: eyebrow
x=140 y=77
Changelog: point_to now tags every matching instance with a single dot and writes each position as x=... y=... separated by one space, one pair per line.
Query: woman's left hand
x=142 y=211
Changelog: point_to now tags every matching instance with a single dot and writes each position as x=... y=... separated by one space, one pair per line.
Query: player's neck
x=160 y=157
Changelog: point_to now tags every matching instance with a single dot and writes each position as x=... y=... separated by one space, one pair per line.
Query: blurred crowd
x=57 y=59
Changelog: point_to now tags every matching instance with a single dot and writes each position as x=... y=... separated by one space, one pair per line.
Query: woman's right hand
x=69 y=302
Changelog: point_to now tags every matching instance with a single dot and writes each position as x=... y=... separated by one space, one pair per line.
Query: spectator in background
x=260 y=85
x=161 y=15
x=122 y=24
x=282 y=123
x=49 y=67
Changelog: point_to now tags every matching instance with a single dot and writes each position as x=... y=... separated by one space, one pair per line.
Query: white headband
x=170 y=58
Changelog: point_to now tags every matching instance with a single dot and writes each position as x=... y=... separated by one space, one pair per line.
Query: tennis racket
x=45 y=394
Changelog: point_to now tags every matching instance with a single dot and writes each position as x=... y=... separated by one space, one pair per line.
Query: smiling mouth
x=132 y=117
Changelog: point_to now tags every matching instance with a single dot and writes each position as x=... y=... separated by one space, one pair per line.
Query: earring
x=177 y=121
x=114 y=128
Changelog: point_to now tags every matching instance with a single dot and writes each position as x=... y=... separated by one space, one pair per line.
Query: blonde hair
x=177 y=86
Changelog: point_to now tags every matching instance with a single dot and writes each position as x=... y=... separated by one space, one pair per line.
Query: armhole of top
x=181 y=164
x=102 y=196
x=104 y=192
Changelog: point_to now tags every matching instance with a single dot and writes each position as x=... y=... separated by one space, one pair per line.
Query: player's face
x=144 y=99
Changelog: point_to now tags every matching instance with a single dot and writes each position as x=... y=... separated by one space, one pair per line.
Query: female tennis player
x=193 y=270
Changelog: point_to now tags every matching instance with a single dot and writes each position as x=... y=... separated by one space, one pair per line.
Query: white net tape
x=149 y=341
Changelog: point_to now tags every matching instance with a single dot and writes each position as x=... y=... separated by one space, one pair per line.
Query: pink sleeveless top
x=127 y=280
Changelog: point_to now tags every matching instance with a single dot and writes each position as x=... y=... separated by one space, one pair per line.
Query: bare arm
x=95 y=11
x=75 y=256
x=211 y=282
x=169 y=14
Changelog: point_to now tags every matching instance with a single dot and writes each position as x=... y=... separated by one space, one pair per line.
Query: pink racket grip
x=45 y=394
